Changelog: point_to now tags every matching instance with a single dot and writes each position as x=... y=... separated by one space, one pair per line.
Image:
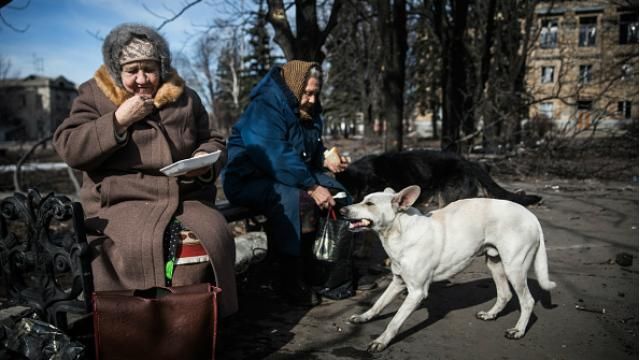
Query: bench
x=43 y=245
x=235 y=213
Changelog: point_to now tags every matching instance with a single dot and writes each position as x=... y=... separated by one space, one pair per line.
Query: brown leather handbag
x=158 y=323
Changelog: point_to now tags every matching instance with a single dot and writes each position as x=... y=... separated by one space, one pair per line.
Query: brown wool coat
x=128 y=202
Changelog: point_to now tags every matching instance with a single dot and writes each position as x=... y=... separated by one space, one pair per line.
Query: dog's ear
x=406 y=197
x=389 y=191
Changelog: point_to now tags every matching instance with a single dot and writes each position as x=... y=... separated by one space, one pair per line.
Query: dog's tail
x=541 y=265
x=497 y=191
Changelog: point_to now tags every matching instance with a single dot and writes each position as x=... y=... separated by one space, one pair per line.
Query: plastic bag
x=333 y=249
x=38 y=340
x=333 y=236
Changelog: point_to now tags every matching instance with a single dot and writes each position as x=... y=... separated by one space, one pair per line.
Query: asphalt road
x=586 y=224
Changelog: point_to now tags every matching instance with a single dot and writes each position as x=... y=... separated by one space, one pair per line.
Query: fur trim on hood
x=120 y=36
x=168 y=92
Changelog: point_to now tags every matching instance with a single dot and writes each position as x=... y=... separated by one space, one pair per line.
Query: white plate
x=184 y=166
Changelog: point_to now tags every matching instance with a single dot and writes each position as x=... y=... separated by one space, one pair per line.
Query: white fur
x=436 y=246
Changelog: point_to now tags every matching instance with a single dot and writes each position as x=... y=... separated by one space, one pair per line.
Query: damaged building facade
x=32 y=107
x=583 y=69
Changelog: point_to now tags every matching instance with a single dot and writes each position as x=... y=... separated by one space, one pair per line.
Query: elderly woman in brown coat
x=134 y=117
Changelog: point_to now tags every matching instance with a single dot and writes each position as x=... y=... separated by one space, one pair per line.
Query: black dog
x=443 y=177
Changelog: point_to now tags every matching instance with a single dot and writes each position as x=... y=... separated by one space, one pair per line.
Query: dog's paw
x=376 y=347
x=357 y=319
x=483 y=315
x=513 y=334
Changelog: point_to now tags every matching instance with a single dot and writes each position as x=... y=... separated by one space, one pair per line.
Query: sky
x=62 y=33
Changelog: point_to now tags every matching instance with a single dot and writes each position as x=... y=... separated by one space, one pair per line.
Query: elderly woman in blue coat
x=276 y=166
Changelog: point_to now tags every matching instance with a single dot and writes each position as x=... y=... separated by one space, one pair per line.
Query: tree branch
x=12 y=27
x=333 y=20
x=178 y=14
x=154 y=13
x=95 y=35
x=277 y=17
x=16 y=7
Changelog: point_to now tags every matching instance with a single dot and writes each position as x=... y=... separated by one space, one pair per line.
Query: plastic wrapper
x=33 y=339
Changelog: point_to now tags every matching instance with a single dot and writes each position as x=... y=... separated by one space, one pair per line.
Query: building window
x=546 y=109
x=585 y=105
x=549 y=34
x=629 y=29
x=588 y=29
x=546 y=76
x=585 y=74
x=624 y=109
x=583 y=120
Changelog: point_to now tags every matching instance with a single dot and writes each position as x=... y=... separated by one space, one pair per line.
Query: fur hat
x=131 y=42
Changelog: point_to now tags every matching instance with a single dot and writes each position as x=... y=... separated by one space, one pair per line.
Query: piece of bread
x=332 y=155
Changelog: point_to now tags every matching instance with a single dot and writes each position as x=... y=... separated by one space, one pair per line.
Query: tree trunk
x=393 y=32
x=456 y=102
x=309 y=39
x=519 y=84
x=485 y=92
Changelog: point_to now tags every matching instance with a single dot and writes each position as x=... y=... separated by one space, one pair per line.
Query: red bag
x=157 y=323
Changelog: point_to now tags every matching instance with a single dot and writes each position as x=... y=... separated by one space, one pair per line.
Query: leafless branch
x=233 y=5
x=17 y=7
x=5 y=68
x=12 y=27
x=95 y=35
x=333 y=19
x=185 y=8
x=168 y=9
x=153 y=13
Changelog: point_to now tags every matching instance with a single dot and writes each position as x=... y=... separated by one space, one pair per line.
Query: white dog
x=436 y=246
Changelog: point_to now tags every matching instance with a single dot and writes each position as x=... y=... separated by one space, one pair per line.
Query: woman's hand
x=321 y=196
x=201 y=171
x=131 y=111
x=335 y=166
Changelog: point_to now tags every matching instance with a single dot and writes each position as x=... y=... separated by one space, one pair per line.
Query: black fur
x=443 y=177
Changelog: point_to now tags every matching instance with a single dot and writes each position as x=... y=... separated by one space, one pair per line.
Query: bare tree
x=451 y=27
x=6 y=71
x=174 y=14
x=230 y=69
x=309 y=38
x=353 y=82
x=204 y=63
x=198 y=70
x=392 y=20
x=4 y=4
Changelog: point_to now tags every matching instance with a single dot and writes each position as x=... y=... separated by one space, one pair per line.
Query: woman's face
x=141 y=77
x=310 y=94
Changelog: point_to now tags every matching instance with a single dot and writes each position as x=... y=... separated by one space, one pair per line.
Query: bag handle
x=331 y=214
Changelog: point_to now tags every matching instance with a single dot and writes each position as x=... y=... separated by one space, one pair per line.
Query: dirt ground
x=587 y=224
x=589 y=215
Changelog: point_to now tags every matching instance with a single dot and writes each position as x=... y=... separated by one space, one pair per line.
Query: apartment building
x=583 y=68
x=32 y=107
